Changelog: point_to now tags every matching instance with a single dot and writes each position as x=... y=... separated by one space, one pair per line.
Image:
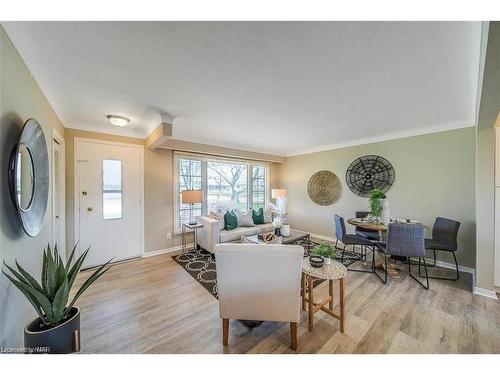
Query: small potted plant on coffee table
x=325 y=250
x=57 y=328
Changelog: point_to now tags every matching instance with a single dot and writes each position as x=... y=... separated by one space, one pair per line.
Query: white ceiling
x=278 y=87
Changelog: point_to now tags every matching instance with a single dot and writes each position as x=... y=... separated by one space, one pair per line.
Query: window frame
x=203 y=158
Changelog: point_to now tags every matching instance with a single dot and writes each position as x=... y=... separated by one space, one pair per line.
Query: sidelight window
x=112 y=194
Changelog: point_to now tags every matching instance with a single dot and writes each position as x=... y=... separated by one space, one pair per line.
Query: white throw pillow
x=216 y=215
x=219 y=216
x=268 y=215
x=244 y=218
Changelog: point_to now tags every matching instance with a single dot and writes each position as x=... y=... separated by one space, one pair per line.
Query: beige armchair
x=259 y=282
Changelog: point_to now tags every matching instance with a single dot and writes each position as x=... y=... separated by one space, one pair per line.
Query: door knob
x=89 y=209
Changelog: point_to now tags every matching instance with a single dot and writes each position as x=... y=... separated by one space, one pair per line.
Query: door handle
x=89 y=209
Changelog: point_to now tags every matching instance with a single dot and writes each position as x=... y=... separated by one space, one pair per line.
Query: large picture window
x=225 y=183
x=189 y=179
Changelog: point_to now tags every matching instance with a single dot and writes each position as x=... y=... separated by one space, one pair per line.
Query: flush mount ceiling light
x=119 y=121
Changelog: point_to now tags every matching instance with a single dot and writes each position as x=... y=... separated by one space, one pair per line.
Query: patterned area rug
x=200 y=264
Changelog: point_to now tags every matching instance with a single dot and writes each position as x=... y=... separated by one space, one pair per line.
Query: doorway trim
x=58 y=138
x=76 y=190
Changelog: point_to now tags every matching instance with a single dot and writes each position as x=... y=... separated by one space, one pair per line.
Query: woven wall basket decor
x=324 y=188
x=369 y=172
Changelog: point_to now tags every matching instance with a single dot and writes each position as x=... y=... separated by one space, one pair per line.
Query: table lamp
x=278 y=193
x=280 y=196
x=191 y=197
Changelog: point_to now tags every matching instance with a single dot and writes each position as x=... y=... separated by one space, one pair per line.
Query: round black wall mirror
x=29 y=177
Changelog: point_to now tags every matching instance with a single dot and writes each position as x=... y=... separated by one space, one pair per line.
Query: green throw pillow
x=258 y=216
x=230 y=220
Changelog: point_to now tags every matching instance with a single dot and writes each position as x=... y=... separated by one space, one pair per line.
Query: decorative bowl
x=316 y=262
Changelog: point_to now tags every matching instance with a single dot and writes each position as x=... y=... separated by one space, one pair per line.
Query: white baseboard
x=321 y=237
x=485 y=293
x=161 y=251
x=451 y=266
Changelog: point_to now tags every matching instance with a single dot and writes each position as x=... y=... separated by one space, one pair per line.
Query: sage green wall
x=20 y=99
x=435 y=176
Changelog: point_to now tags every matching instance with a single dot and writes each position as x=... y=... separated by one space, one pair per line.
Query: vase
x=285 y=230
x=64 y=338
x=385 y=216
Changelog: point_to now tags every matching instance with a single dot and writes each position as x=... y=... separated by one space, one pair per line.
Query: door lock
x=89 y=209
x=84 y=193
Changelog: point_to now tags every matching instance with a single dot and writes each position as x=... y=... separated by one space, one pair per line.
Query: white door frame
x=57 y=137
x=76 y=192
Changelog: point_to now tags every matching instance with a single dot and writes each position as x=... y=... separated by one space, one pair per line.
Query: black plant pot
x=64 y=338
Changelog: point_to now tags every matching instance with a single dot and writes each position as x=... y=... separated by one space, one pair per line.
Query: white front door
x=109 y=189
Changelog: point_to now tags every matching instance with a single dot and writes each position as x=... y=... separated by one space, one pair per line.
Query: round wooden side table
x=330 y=272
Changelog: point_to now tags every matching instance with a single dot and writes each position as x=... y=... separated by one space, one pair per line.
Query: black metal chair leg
x=434 y=258
x=426 y=286
x=457 y=273
x=456 y=267
x=372 y=270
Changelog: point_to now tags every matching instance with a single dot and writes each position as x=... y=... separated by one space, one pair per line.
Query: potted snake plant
x=57 y=327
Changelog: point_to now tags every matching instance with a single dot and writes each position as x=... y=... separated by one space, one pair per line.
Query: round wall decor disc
x=369 y=172
x=324 y=188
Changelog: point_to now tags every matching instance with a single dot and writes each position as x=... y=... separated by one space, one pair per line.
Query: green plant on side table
x=57 y=328
x=325 y=250
x=376 y=197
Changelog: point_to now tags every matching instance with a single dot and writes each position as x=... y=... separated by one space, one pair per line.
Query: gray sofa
x=213 y=232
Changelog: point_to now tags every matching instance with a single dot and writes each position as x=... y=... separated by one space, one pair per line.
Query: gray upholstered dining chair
x=406 y=240
x=444 y=238
x=369 y=234
x=352 y=239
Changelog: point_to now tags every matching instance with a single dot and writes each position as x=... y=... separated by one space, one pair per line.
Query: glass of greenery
x=325 y=250
x=376 y=197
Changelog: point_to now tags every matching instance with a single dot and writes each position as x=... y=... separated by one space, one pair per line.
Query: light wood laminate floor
x=152 y=305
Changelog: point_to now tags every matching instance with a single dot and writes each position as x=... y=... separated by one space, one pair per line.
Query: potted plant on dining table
x=379 y=206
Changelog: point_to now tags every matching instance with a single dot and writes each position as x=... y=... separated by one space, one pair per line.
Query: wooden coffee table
x=296 y=237
x=330 y=272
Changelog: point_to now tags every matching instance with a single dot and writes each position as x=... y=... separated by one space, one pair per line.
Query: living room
x=250 y=187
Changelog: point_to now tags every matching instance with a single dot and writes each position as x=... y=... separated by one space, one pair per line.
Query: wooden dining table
x=367 y=224
x=392 y=268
